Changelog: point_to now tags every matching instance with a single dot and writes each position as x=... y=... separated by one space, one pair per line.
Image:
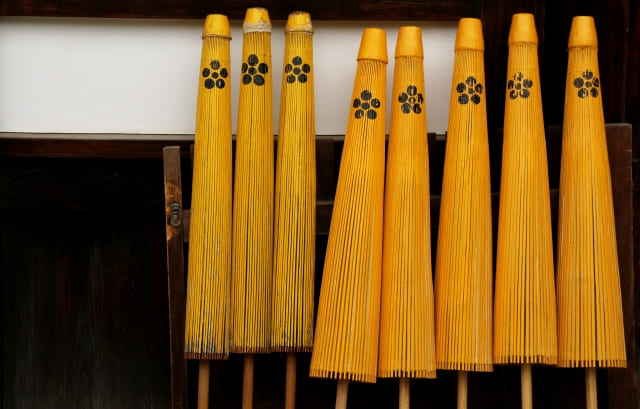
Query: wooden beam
x=622 y=383
x=128 y=146
x=175 y=267
x=278 y=9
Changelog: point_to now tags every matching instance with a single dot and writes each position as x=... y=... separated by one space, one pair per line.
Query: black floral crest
x=519 y=86
x=297 y=70
x=411 y=100
x=215 y=75
x=587 y=85
x=366 y=105
x=254 y=71
x=469 y=90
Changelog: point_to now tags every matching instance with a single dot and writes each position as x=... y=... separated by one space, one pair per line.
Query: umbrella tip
x=523 y=29
x=216 y=25
x=583 y=32
x=373 y=45
x=256 y=20
x=299 y=21
x=409 y=43
x=469 y=35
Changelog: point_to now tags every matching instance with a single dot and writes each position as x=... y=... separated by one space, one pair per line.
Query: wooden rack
x=554 y=388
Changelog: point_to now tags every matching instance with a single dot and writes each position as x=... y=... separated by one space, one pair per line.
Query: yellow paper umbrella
x=525 y=305
x=407 y=339
x=346 y=340
x=464 y=258
x=209 y=271
x=590 y=325
x=252 y=244
x=295 y=201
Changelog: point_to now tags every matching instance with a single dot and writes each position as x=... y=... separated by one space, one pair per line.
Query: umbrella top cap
x=256 y=20
x=299 y=21
x=409 y=43
x=373 y=45
x=523 y=29
x=469 y=35
x=216 y=25
x=583 y=32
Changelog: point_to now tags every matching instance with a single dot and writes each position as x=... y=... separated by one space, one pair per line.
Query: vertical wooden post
x=290 y=387
x=404 y=396
x=175 y=270
x=203 y=384
x=622 y=383
x=526 y=391
x=341 y=394
x=462 y=389
x=247 y=382
x=592 y=388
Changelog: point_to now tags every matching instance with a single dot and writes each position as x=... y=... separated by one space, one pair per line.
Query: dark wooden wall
x=85 y=315
x=82 y=252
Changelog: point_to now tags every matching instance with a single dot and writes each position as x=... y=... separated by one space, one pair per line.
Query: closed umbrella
x=464 y=267
x=209 y=270
x=252 y=243
x=407 y=339
x=295 y=202
x=525 y=330
x=346 y=339
x=590 y=325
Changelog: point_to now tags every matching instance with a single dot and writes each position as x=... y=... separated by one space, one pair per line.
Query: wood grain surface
x=85 y=312
x=278 y=9
x=176 y=274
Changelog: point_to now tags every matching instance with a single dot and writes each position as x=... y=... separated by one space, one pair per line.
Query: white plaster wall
x=73 y=75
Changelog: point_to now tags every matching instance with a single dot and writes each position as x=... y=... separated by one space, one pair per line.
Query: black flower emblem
x=214 y=75
x=297 y=70
x=254 y=71
x=366 y=105
x=519 y=86
x=587 y=85
x=411 y=100
x=469 y=90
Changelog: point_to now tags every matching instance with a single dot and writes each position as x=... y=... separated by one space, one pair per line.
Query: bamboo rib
x=252 y=248
x=590 y=322
x=295 y=195
x=525 y=308
x=407 y=338
x=209 y=271
x=346 y=339
x=464 y=265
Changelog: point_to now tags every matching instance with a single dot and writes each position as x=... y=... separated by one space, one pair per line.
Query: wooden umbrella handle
x=462 y=389
x=405 y=393
x=247 y=382
x=341 y=394
x=203 y=384
x=290 y=386
x=527 y=394
x=592 y=388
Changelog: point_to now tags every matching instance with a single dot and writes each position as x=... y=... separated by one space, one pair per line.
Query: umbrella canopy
x=252 y=248
x=525 y=304
x=407 y=343
x=590 y=325
x=464 y=268
x=209 y=270
x=346 y=340
x=295 y=195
